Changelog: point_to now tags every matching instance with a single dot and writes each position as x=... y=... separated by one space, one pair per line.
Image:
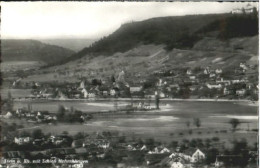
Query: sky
x=50 y=20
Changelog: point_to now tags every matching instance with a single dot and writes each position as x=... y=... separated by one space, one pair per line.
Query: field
x=16 y=93
x=167 y=124
x=19 y=65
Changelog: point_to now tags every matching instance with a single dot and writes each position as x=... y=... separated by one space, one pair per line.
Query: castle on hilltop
x=245 y=10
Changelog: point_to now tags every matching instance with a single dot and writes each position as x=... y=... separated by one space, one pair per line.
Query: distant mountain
x=32 y=50
x=73 y=44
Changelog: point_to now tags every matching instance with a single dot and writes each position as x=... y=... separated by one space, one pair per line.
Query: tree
x=197 y=122
x=61 y=112
x=211 y=155
x=79 y=135
x=9 y=102
x=234 y=123
x=188 y=123
x=157 y=101
x=113 y=79
x=25 y=134
x=37 y=134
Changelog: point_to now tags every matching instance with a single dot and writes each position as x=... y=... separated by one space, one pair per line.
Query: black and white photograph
x=129 y=84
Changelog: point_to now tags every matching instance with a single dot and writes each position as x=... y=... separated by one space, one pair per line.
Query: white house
x=226 y=91
x=22 y=140
x=197 y=156
x=212 y=75
x=218 y=86
x=243 y=66
x=206 y=71
x=91 y=95
x=135 y=89
x=82 y=85
x=177 y=164
x=165 y=150
x=85 y=93
x=162 y=95
x=143 y=148
x=112 y=92
x=189 y=72
x=218 y=71
x=241 y=92
x=8 y=115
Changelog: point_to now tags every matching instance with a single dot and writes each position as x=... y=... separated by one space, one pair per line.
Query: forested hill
x=32 y=50
x=174 y=32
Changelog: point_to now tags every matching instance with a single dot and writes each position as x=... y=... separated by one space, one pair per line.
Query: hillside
x=32 y=50
x=180 y=32
x=128 y=49
x=142 y=61
x=72 y=44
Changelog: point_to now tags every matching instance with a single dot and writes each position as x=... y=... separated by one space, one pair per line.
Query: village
x=111 y=148
x=183 y=83
x=165 y=92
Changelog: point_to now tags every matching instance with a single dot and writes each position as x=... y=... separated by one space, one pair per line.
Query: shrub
x=215 y=139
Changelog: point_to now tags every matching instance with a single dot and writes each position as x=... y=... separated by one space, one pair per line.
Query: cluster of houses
x=33 y=116
x=212 y=80
x=98 y=147
x=167 y=83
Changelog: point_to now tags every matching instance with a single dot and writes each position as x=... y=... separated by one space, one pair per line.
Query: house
x=135 y=89
x=218 y=71
x=77 y=165
x=212 y=75
x=22 y=140
x=112 y=92
x=222 y=81
x=8 y=115
x=226 y=91
x=155 y=151
x=197 y=156
x=241 y=92
x=165 y=150
x=216 y=86
x=206 y=71
x=162 y=95
x=91 y=95
x=177 y=162
x=85 y=93
x=193 y=87
x=192 y=77
x=189 y=72
x=143 y=148
x=194 y=155
x=82 y=85
x=105 y=93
